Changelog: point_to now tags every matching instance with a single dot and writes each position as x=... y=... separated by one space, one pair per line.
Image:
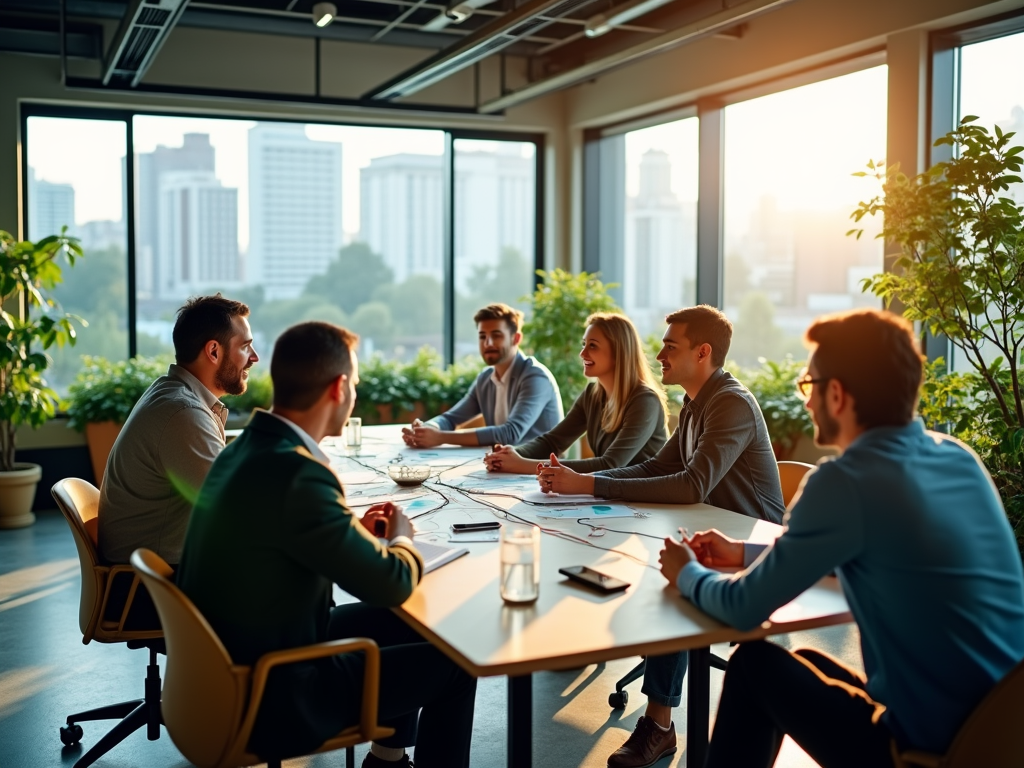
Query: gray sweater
x=640 y=435
x=719 y=454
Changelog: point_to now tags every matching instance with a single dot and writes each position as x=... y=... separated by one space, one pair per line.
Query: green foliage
x=106 y=391
x=774 y=387
x=259 y=393
x=28 y=271
x=961 y=403
x=961 y=273
x=553 y=333
x=351 y=278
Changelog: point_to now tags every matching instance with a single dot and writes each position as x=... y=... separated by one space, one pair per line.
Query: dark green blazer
x=269 y=534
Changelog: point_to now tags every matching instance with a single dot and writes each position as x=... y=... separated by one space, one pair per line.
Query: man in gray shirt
x=171 y=438
x=720 y=454
x=517 y=396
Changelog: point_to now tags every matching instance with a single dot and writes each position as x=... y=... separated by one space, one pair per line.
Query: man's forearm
x=670 y=489
x=466 y=437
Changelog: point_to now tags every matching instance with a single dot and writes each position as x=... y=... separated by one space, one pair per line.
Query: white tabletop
x=459 y=609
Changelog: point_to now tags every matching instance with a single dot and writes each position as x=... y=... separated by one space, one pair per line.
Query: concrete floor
x=46 y=673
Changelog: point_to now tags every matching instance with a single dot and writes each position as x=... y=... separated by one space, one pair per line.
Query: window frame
x=30 y=109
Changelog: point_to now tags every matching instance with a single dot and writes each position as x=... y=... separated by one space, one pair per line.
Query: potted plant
x=102 y=396
x=960 y=272
x=30 y=323
x=773 y=386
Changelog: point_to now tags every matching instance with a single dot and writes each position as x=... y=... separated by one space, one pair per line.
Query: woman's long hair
x=631 y=368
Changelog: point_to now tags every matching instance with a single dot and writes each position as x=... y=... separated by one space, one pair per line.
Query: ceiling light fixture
x=324 y=13
x=459 y=13
x=603 y=22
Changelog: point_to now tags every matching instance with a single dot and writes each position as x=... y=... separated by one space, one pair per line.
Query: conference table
x=458 y=607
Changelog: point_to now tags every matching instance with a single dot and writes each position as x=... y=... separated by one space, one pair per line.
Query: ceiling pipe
x=709 y=25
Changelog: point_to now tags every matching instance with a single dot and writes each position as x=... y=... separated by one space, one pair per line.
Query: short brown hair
x=307 y=358
x=202 y=319
x=513 y=317
x=876 y=357
x=706 y=325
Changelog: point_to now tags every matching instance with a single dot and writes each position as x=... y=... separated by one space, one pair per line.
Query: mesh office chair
x=79 y=500
x=791 y=474
x=210 y=704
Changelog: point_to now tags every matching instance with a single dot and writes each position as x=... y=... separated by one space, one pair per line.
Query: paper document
x=588 y=511
x=539 y=497
x=473 y=536
x=434 y=555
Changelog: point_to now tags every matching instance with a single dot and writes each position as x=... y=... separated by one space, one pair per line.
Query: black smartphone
x=599 y=581
x=491 y=525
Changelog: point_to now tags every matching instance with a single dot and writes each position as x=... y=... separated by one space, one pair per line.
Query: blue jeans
x=663 y=679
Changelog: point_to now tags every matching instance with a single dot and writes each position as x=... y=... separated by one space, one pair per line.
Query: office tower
x=295 y=227
x=198 y=221
x=401 y=213
x=660 y=244
x=102 y=234
x=50 y=207
x=195 y=154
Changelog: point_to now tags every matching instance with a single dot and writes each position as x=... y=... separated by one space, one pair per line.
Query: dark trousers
x=424 y=695
x=770 y=692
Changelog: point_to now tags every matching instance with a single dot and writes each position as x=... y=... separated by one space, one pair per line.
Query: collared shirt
x=913 y=527
x=157 y=465
x=720 y=454
x=500 y=397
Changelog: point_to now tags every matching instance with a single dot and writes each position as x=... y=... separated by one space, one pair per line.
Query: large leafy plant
x=960 y=272
x=30 y=323
x=773 y=386
x=561 y=305
x=107 y=391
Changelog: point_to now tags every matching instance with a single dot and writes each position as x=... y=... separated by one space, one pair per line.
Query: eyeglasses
x=804 y=382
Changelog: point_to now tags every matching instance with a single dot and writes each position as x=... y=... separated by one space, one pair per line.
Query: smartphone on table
x=602 y=582
x=490 y=525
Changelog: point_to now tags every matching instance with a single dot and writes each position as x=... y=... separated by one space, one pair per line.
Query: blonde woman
x=622 y=413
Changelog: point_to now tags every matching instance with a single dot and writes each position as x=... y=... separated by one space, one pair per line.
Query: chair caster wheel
x=71 y=734
x=618 y=700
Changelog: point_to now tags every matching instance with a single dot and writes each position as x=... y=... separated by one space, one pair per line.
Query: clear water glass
x=520 y=564
x=354 y=432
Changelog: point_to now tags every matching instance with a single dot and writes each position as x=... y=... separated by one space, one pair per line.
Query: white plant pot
x=17 y=492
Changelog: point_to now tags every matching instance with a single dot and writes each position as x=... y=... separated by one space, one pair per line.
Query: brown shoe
x=646 y=746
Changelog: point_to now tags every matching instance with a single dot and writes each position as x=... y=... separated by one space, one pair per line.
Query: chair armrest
x=111 y=574
x=371 y=677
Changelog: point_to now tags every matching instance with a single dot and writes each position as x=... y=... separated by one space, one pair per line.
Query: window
x=645 y=236
x=495 y=193
x=84 y=191
x=788 y=194
x=315 y=221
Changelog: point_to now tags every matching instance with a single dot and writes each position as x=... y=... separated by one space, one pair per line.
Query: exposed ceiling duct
x=504 y=31
x=713 y=24
x=144 y=28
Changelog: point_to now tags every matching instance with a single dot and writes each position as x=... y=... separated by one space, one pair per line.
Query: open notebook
x=434 y=555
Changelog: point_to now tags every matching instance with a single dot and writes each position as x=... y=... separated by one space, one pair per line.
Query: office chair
x=791 y=473
x=990 y=736
x=79 y=502
x=210 y=703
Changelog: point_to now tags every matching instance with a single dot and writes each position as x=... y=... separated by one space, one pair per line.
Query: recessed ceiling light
x=324 y=13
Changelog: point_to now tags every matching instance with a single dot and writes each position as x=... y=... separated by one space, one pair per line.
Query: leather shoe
x=646 y=746
x=372 y=761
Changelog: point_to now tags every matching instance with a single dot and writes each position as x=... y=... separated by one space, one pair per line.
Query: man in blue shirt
x=516 y=395
x=912 y=525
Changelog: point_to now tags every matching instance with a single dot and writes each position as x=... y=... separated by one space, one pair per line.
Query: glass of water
x=520 y=564
x=354 y=432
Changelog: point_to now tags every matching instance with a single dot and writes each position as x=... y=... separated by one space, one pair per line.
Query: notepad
x=434 y=555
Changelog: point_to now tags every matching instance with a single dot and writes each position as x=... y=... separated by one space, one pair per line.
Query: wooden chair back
x=791 y=474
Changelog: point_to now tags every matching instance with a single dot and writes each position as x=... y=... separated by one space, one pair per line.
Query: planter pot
x=101 y=436
x=17 y=492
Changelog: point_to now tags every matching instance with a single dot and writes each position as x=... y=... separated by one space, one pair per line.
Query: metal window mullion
x=448 y=288
x=710 y=203
x=129 y=219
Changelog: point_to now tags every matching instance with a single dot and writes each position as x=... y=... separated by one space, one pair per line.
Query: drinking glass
x=354 y=432
x=520 y=564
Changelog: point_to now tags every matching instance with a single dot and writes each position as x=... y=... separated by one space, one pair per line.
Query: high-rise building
x=401 y=213
x=50 y=207
x=198 y=221
x=195 y=154
x=294 y=208
x=660 y=245
x=402 y=216
x=102 y=234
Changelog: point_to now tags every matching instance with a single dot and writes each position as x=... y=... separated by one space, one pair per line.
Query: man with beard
x=169 y=441
x=517 y=396
x=912 y=525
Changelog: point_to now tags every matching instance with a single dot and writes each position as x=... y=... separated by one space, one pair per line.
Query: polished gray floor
x=46 y=673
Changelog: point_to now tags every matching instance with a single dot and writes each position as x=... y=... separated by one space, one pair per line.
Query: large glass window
x=647 y=240
x=788 y=195
x=76 y=179
x=495 y=202
x=302 y=222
